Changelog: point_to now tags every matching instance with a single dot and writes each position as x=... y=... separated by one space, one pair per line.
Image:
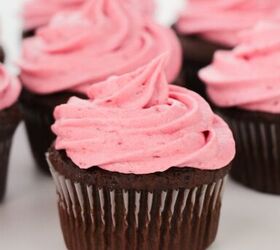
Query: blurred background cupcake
x=207 y=26
x=245 y=85
x=140 y=165
x=64 y=58
x=2 y=54
x=9 y=118
x=38 y=13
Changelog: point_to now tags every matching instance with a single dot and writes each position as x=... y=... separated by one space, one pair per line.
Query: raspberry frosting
x=37 y=13
x=249 y=76
x=137 y=123
x=221 y=21
x=9 y=89
x=105 y=38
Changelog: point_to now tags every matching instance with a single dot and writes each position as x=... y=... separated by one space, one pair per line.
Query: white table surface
x=28 y=216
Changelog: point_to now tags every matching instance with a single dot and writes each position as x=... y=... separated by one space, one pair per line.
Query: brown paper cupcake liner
x=257 y=162
x=94 y=217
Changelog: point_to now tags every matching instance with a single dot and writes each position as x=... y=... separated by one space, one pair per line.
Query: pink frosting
x=66 y=56
x=147 y=7
x=249 y=76
x=137 y=123
x=221 y=21
x=37 y=13
x=9 y=89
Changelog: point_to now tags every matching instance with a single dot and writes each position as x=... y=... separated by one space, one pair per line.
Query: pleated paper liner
x=38 y=117
x=116 y=216
x=257 y=162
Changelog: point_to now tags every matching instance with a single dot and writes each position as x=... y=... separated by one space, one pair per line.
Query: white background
x=28 y=216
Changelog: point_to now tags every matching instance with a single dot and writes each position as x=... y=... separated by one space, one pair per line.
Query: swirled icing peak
x=137 y=123
x=221 y=21
x=9 y=89
x=105 y=38
x=249 y=76
x=37 y=13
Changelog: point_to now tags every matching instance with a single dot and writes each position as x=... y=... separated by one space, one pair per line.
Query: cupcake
x=2 y=55
x=64 y=58
x=38 y=13
x=9 y=119
x=244 y=85
x=140 y=165
x=207 y=26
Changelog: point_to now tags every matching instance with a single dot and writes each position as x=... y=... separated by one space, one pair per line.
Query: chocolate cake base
x=197 y=54
x=175 y=209
x=257 y=161
x=9 y=120
x=28 y=33
x=2 y=55
x=38 y=117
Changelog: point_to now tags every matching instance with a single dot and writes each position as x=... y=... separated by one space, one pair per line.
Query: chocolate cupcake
x=207 y=26
x=9 y=119
x=140 y=165
x=65 y=58
x=244 y=85
x=2 y=54
x=38 y=13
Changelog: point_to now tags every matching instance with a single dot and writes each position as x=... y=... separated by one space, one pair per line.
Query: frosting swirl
x=137 y=123
x=66 y=56
x=222 y=20
x=9 y=89
x=249 y=76
x=37 y=13
x=147 y=7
